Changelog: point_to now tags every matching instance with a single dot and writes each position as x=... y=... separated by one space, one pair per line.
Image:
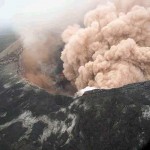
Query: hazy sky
x=21 y=12
x=9 y=8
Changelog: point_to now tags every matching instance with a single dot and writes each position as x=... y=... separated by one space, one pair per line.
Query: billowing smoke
x=104 y=46
x=40 y=27
x=113 y=47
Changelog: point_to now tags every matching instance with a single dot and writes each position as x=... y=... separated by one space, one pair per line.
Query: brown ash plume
x=113 y=47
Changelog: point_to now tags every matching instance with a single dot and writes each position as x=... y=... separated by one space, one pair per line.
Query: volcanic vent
x=110 y=49
x=43 y=67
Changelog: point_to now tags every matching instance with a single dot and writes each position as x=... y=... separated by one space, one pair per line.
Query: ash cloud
x=113 y=47
x=42 y=44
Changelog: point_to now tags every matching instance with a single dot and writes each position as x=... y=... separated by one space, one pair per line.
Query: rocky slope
x=32 y=119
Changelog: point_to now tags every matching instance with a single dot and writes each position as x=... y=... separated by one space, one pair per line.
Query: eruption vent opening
x=45 y=72
x=108 y=49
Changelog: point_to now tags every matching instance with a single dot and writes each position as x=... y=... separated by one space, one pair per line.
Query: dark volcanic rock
x=114 y=119
x=32 y=119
